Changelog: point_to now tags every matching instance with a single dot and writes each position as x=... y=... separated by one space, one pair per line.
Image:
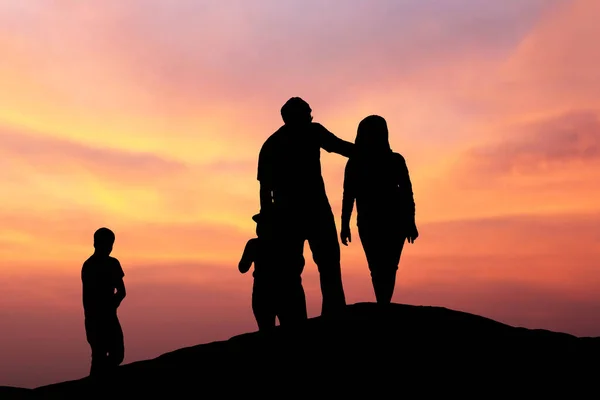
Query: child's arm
x=119 y=285
x=348 y=201
x=248 y=256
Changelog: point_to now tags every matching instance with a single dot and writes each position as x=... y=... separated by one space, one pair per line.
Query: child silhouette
x=277 y=292
x=103 y=292
x=378 y=179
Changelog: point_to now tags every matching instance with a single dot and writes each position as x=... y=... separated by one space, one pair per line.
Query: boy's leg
x=94 y=336
x=116 y=350
x=262 y=305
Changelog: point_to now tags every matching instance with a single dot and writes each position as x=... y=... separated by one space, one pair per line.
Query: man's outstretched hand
x=413 y=234
x=345 y=235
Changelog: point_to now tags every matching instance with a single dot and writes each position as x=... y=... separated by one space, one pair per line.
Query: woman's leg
x=382 y=247
x=370 y=238
x=394 y=243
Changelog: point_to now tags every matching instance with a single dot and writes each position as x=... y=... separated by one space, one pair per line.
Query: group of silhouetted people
x=294 y=208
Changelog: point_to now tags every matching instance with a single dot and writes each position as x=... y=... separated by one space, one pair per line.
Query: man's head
x=104 y=240
x=296 y=111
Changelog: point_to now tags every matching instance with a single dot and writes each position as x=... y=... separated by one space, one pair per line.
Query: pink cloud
x=553 y=69
x=543 y=147
x=248 y=55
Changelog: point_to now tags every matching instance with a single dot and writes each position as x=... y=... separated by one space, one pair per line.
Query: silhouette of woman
x=378 y=179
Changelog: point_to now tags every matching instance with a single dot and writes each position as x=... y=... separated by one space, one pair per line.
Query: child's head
x=262 y=226
x=372 y=135
x=104 y=240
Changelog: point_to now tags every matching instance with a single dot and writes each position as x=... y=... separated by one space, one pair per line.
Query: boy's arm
x=332 y=143
x=119 y=285
x=121 y=292
x=248 y=256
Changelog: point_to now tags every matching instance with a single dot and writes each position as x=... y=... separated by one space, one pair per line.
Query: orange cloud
x=62 y=156
x=66 y=237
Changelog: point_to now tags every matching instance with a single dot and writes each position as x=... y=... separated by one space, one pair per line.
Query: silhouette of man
x=277 y=291
x=292 y=188
x=103 y=292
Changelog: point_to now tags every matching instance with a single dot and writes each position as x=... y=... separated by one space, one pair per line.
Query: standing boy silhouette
x=103 y=292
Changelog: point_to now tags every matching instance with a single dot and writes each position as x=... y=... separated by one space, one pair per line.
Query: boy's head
x=104 y=240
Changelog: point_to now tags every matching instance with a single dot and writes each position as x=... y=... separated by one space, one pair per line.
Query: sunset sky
x=146 y=116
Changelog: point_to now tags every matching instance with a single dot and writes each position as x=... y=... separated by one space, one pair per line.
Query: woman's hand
x=345 y=235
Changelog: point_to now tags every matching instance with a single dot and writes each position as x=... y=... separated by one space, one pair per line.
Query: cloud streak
x=544 y=147
x=56 y=155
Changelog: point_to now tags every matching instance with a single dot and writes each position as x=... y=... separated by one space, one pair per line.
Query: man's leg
x=323 y=242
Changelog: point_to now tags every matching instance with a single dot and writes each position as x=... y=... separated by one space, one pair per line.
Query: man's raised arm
x=332 y=143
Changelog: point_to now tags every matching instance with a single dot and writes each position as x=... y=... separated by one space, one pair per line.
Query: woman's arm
x=349 y=194
x=408 y=201
x=405 y=185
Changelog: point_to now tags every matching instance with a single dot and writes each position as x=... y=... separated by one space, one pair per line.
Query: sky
x=147 y=116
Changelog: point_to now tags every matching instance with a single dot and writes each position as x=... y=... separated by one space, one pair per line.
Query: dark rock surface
x=369 y=351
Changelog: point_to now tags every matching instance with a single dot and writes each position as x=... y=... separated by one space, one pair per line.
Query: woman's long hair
x=372 y=137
